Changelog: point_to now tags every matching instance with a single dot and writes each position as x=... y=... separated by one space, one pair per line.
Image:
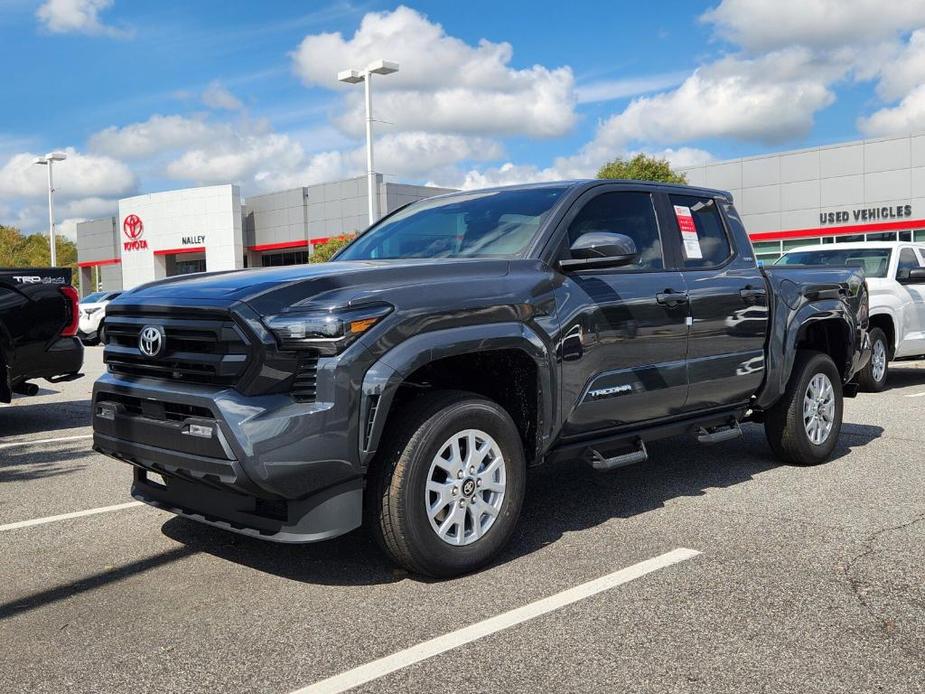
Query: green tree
x=323 y=251
x=642 y=167
x=31 y=250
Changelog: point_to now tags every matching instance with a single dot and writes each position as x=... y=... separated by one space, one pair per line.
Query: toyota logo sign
x=133 y=228
x=151 y=341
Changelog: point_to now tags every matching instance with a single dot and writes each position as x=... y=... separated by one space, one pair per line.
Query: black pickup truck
x=38 y=324
x=459 y=341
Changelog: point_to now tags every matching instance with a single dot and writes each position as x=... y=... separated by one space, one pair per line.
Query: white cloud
x=906 y=117
x=413 y=155
x=444 y=84
x=157 y=134
x=763 y=25
x=416 y=154
x=317 y=168
x=91 y=207
x=217 y=96
x=236 y=158
x=78 y=16
x=609 y=90
x=771 y=99
x=905 y=71
x=80 y=176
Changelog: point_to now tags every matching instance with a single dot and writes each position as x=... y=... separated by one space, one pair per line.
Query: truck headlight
x=327 y=331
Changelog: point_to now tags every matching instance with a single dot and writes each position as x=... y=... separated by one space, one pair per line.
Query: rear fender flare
x=782 y=353
x=387 y=374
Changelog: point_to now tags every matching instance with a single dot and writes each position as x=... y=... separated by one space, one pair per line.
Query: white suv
x=896 y=279
x=91 y=329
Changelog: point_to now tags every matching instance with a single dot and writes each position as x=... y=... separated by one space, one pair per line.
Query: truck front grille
x=197 y=349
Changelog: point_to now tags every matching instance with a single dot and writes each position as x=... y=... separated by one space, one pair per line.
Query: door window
x=711 y=248
x=629 y=213
x=907 y=261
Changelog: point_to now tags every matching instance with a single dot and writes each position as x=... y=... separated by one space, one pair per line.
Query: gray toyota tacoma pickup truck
x=413 y=380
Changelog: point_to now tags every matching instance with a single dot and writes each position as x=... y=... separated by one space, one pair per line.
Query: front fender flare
x=384 y=377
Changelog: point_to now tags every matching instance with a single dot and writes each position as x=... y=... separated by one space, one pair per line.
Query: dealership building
x=871 y=190
x=213 y=228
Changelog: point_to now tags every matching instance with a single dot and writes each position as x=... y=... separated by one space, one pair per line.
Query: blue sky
x=148 y=96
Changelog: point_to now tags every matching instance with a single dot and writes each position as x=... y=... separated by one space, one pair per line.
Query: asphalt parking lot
x=807 y=579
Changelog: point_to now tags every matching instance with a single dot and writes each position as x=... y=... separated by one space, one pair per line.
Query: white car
x=91 y=329
x=895 y=272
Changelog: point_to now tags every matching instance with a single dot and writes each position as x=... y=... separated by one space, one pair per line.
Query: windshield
x=875 y=261
x=93 y=298
x=468 y=225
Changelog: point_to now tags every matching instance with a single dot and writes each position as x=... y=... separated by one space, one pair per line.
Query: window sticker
x=688 y=232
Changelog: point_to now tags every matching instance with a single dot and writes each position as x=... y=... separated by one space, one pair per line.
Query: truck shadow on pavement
x=23 y=464
x=904 y=376
x=561 y=498
x=19 y=419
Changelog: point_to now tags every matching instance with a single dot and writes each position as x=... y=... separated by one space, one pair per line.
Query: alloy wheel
x=465 y=487
x=819 y=409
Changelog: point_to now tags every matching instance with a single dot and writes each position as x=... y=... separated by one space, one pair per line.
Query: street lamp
x=380 y=67
x=48 y=160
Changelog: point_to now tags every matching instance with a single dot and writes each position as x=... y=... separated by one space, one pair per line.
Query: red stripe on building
x=178 y=251
x=287 y=244
x=837 y=231
x=97 y=263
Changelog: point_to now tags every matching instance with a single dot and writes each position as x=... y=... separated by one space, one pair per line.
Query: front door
x=624 y=330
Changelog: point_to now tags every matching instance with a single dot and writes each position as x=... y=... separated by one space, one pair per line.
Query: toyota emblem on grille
x=151 y=341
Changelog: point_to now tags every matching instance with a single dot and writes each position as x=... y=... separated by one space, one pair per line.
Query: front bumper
x=264 y=466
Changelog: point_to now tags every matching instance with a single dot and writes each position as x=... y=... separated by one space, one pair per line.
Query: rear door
x=728 y=302
x=623 y=330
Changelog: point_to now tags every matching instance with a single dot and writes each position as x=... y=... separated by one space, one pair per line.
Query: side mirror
x=916 y=276
x=600 y=249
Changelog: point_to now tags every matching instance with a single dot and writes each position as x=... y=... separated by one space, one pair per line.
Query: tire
x=872 y=377
x=101 y=334
x=399 y=495
x=787 y=431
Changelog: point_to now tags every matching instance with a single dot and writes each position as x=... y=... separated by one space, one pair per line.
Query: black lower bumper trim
x=214 y=470
x=329 y=513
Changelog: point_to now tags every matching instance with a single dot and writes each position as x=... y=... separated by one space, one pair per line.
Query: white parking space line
x=441 y=644
x=916 y=395
x=37 y=442
x=66 y=516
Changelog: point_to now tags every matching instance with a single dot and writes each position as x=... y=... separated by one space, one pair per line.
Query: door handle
x=671 y=298
x=751 y=294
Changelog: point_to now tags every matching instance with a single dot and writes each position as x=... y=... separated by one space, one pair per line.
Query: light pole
x=49 y=160
x=380 y=67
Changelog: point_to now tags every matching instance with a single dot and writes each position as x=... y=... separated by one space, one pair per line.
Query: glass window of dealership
x=869 y=190
x=211 y=228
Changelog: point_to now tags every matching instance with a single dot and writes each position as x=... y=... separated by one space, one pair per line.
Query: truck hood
x=268 y=289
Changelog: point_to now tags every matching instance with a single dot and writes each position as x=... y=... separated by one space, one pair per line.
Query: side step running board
x=599 y=462
x=717 y=434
